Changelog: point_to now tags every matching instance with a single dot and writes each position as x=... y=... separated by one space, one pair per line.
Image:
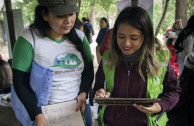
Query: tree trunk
x=79 y=3
x=10 y=21
x=181 y=11
x=162 y=18
x=134 y=2
x=92 y=16
x=163 y=4
x=190 y=8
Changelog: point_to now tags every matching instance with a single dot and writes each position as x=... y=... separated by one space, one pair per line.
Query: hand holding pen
x=102 y=93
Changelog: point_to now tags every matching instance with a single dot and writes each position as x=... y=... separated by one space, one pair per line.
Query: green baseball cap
x=60 y=7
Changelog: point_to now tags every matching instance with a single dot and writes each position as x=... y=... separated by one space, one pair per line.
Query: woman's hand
x=102 y=94
x=81 y=100
x=40 y=120
x=156 y=108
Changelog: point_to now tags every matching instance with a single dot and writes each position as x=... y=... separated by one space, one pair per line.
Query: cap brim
x=61 y=10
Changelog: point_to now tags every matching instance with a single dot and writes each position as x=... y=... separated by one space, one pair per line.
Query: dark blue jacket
x=182 y=113
x=101 y=35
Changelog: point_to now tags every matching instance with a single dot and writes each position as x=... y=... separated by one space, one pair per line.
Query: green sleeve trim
x=87 y=49
x=22 y=55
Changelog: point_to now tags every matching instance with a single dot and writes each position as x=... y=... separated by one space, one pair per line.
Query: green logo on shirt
x=68 y=61
x=157 y=80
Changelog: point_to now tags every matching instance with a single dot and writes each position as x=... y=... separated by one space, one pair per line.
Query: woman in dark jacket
x=104 y=26
x=183 y=113
x=135 y=67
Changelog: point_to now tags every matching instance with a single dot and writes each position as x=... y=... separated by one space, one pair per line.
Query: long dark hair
x=187 y=30
x=138 y=18
x=39 y=22
x=43 y=26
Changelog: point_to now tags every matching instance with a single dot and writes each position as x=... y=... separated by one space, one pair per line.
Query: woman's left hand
x=81 y=100
x=155 y=108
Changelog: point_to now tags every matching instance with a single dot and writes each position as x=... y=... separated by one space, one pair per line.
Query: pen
x=105 y=88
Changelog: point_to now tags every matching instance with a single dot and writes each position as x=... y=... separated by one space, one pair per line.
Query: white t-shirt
x=63 y=58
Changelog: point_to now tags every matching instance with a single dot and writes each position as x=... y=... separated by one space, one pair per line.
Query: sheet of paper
x=63 y=114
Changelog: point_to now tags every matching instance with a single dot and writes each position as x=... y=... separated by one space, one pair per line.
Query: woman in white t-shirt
x=52 y=62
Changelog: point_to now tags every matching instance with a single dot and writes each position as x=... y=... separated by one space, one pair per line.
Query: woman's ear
x=44 y=16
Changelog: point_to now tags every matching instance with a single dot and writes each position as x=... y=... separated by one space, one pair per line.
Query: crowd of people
x=52 y=63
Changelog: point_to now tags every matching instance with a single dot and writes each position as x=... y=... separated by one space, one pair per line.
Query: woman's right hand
x=102 y=94
x=40 y=120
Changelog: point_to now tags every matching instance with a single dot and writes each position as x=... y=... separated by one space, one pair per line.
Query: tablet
x=127 y=101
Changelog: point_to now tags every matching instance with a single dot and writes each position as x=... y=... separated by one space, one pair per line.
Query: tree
x=95 y=9
x=162 y=18
x=79 y=3
x=87 y=9
x=169 y=18
x=190 y=9
x=163 y=4
x=27 y=7
x=92 y=14
x=181 y=10
x=134 y=2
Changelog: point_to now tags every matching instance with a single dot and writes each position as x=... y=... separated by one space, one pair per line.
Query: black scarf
x=132 y=59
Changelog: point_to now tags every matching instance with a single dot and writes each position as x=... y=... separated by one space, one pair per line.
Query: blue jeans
x=88 y=115
x=181 y=65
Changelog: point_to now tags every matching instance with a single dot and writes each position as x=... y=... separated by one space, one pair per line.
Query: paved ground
x=7 y=117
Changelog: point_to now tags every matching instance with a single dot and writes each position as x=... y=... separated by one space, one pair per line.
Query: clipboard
x=127 y=101
x=63 y=114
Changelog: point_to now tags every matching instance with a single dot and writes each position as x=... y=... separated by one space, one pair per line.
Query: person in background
x=87 y=29
x=52 y=63
x=104 y=27
x=90 y=26
x=106 y=42
x=136 y=66
x=182 y=113
x=79 y=25
x=185 y=43
x=172 y=34
x=88 y=114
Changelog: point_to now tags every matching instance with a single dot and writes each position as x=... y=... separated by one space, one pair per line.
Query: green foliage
x=108 y=9
x=27 y=7
x=170 y=15
x=190 y=9
x=102 y=8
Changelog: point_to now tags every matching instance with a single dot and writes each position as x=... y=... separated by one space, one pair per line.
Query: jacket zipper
x=127 y=94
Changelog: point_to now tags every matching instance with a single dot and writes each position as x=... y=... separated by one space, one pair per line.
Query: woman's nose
x=127 y=41
x=67 y=19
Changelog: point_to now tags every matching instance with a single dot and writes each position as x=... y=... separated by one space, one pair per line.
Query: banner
x=146 y=4
x=18 y=26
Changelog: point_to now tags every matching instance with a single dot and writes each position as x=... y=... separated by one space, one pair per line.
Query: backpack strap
x=33 y=38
